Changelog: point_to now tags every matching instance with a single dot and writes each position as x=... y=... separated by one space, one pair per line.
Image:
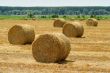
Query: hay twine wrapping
x=59 y=22
x=51 y=48
x=21 y=34
x=92 y=22
x=73 y=29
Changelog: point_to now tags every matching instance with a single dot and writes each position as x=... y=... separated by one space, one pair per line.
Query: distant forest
x=55 y=10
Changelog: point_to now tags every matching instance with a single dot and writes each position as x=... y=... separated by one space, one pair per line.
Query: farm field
x=89 y=54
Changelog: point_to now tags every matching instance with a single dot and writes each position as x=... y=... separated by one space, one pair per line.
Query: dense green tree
x=55 y=10
x=30 y=15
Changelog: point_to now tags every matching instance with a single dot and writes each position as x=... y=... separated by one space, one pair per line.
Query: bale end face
x=50 y=48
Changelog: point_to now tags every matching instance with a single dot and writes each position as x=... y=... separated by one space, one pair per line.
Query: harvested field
x=89 y=54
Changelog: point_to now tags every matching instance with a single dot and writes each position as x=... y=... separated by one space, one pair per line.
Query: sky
x=31 y=3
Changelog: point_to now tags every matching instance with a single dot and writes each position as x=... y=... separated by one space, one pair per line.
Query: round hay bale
x=92 y=22
x=59 y=22
x=51 y=48
x=21 y=34
x=73 y=29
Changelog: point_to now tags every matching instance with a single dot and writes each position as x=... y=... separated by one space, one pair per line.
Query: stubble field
x=89 y=54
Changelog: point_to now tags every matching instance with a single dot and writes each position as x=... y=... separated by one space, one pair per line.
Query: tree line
x=54 y=10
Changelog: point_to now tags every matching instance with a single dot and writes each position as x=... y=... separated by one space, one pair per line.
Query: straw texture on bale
x=73 y=29
x=59 y=22
x=51 y=48
x=92 y=22
x=21 y=34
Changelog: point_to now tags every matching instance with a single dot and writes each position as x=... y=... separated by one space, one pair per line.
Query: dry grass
x=89 y=55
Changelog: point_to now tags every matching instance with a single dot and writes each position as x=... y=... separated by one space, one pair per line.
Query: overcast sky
x=54 y=2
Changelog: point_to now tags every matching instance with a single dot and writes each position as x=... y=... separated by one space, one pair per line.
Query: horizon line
x=53 y=6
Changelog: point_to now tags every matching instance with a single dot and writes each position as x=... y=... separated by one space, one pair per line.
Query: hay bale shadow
x=81 y=37
x=65 y=61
